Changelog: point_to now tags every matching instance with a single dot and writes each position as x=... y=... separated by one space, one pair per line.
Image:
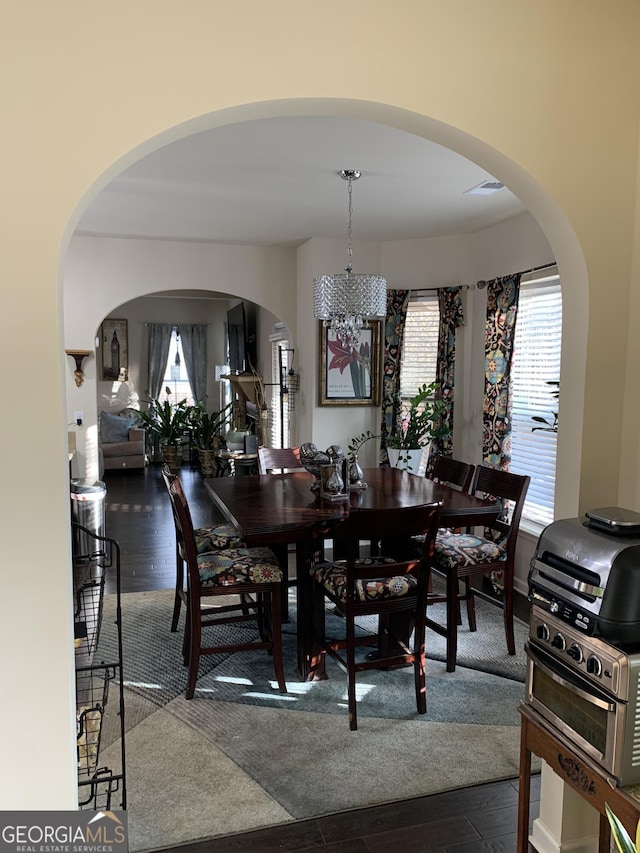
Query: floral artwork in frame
x=115 y=350
x=350 y=375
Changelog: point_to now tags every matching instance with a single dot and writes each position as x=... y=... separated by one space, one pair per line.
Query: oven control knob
x=594 y=665
x=559 y=642
x=554 y=607
x=574 y=651
x=542 y=632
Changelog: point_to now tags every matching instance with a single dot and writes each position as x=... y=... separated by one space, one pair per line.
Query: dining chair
x=383 y=585
x=215 y=538
x=243 y=572
x=452 y=472
x=461 y=556
x=280 y=459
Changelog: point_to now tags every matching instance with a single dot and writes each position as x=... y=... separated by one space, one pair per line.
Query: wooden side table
x=585 y=777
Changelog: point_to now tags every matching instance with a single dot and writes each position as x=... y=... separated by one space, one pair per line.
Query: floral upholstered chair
x=214 y=538
x=253 y=574
x=385 y=586
x=460 y=556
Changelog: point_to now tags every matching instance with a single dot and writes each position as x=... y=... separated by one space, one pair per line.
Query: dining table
x=278 y=510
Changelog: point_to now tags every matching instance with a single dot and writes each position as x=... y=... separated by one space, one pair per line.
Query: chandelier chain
x=349 y=266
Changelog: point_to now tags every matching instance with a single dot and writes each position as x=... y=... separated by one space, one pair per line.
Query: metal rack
x=99 y=787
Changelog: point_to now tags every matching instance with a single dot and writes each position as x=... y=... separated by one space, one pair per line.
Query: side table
x=586 y=778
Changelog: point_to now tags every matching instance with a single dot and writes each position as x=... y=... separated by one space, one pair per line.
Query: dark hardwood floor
x=480 y=819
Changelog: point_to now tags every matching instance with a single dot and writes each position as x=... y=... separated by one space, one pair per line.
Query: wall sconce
x=78 y=355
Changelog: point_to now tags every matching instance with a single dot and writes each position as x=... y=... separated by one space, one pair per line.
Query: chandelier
x=346 y=301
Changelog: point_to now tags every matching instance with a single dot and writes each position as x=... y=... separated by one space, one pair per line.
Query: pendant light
x=346 y=301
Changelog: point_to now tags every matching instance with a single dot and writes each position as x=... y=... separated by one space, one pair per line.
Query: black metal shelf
x=99 y=787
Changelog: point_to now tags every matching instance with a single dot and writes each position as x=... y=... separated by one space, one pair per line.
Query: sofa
x=122 y=441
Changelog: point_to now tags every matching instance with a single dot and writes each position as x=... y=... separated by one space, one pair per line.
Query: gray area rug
x=240 y=755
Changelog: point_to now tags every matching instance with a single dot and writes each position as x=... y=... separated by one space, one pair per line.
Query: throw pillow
x=113 y=428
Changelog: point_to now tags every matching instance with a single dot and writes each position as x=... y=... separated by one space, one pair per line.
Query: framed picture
x=349 y=376
x=115 y=350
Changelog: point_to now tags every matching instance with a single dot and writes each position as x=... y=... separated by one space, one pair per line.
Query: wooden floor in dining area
x=479 y=819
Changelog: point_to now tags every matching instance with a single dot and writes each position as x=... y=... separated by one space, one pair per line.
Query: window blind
x=536 y=361
x=420 y=350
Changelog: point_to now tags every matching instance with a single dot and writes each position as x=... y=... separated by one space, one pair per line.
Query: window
x=280 y=404
x=420 y=349
x=175 y=375
x=536 y=362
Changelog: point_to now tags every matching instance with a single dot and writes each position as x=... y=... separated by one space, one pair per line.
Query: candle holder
x=332 y=486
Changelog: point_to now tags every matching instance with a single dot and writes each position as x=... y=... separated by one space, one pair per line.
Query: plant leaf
x=620 y=834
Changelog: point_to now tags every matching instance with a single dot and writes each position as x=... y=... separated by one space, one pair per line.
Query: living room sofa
x=122 y=441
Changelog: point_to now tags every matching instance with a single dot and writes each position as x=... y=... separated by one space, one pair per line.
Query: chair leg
x=276 y=636
x=507 y=608
x=452 y=622
x=419 y=662
x=186 y=639
x=195 y=643
x=351 y=674
x=471 y=604
x=282 y=556
x=177 y=601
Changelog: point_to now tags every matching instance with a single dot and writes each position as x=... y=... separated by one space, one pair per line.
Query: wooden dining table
x=281 y=509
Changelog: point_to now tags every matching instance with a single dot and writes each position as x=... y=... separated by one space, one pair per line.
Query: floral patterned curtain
x=397 y=302
x=502 y=308
x=451 y=318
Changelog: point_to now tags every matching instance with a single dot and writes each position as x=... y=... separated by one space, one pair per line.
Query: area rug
x=240 y=755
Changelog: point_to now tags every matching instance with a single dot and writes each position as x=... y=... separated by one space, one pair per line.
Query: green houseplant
x=206 y=429
x=416 y=423
x=620 y=834
x=166 y=423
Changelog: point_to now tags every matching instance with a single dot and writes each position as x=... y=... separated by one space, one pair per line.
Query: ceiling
x=275 y=182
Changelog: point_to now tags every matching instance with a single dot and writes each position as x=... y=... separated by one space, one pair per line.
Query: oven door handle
x=569 y=680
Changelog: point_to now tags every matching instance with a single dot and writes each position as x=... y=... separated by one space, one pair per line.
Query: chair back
x=510 y=490
x=453 y=472
x=401 y=524
x=185 y=536
x=279 y=459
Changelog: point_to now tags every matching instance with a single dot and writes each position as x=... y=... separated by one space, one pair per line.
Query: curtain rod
x=483 y=284
x=430 y=289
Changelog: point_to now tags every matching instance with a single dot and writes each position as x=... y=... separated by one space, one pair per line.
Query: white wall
x=103 y=274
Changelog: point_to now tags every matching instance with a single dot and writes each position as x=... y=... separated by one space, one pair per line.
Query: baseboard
x=544 y=842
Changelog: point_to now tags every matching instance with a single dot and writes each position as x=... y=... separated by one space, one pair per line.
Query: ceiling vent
x=485 y=188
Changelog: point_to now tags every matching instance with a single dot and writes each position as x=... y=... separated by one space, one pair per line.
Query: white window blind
x=420 y=349
x=536 y=361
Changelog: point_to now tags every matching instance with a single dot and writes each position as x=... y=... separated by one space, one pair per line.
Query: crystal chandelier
x=346 y=301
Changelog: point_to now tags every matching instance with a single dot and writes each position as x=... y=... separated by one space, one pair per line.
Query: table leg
x=305 y=556
x=522 y=844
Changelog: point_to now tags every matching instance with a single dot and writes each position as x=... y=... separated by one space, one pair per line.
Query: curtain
x=194 y=347
x=159 y=341
x=451 y=318
x=502 y=309
x=397 y=302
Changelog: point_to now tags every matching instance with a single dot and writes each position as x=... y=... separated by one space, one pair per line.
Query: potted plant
x=416 y=423
x=166 y=423
x=620 y=834
x=206 y=429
